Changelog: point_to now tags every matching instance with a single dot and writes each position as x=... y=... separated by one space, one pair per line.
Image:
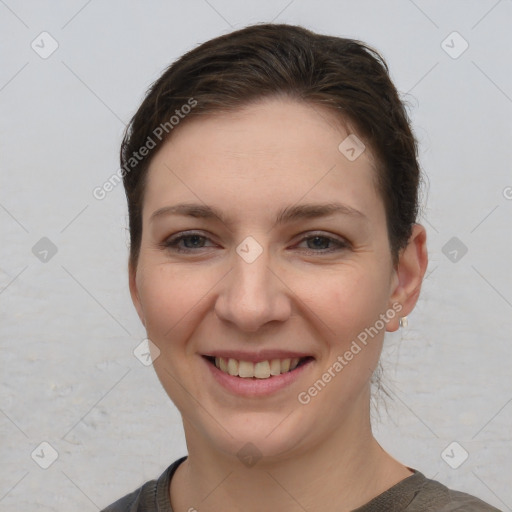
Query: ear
x=408 y=275
x=132 y=273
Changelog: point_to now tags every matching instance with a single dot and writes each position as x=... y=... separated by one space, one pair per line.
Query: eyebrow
x=285 y=215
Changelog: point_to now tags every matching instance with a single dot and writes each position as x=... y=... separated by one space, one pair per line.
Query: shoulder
x=433 y=496
x=460 y=501
x=149 y=497
x=136 y=501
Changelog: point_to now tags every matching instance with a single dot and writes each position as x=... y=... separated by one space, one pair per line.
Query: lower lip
x=251 y=387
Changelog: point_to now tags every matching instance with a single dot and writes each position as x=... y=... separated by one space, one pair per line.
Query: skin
x=294 y=296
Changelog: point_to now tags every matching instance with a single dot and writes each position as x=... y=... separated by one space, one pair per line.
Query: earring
x=403 y=321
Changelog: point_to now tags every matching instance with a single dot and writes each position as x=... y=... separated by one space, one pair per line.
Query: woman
x=272 y=184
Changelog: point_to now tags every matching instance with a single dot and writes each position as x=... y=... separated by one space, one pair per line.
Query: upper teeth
x=260 y=370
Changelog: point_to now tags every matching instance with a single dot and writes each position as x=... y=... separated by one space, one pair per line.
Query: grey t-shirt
x=415 y=493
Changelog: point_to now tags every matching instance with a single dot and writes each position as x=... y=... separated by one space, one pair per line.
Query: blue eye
x=194 y=240
x=320 y=241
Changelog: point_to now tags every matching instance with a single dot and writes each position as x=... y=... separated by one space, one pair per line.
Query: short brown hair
x=264 y=60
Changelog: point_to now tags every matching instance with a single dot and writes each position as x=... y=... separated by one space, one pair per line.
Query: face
x=272 y=274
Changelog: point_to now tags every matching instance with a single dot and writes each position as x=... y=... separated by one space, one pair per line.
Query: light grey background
x=68 y=328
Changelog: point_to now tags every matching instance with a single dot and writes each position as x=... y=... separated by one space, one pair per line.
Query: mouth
x=265 y=369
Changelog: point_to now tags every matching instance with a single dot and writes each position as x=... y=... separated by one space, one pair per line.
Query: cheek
x=346 y=300
x=349 y=304
x=171 y=297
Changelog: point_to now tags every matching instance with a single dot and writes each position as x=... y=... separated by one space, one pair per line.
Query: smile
x=256 y=374
x=258 y=370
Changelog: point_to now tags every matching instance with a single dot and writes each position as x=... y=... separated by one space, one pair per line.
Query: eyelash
x=172 y=243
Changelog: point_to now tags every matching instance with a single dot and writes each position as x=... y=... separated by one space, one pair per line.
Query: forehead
x=268 y=153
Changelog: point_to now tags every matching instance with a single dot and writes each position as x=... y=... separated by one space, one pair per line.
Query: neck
x=342 y=472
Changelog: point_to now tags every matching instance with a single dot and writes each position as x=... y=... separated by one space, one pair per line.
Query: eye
x=188 y=242
x=318 y=243
x=192 y=240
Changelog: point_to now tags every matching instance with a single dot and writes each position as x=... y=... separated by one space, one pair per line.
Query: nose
x=253 y=294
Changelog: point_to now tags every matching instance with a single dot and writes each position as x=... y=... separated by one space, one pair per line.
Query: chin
x=261 y=437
